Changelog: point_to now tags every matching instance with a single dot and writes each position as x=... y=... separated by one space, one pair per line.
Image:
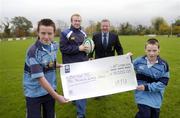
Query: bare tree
x=6 y=27
x=21 y=26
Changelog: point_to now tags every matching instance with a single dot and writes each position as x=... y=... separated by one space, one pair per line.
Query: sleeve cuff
x=37 y=75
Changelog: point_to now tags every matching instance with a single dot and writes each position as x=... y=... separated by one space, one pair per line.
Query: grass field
x=12 y=102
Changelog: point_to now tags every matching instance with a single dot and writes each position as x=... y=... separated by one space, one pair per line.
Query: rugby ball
x=90 y=44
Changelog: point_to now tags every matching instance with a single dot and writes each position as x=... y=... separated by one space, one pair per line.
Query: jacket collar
x=75 y=29
x=157 y=61
x=39 y=44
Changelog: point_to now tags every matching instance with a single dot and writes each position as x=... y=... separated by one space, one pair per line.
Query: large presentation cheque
x=98 y=77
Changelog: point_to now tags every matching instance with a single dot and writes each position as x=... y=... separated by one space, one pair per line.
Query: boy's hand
x=140 y=88
x=61 y=99
x=129 y=53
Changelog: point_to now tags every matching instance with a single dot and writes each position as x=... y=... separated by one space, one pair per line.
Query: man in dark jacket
x=106 y=43
x=73 y=50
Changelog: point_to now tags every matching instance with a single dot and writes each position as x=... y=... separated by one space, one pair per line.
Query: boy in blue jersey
x=152 y=74
x=40 y=73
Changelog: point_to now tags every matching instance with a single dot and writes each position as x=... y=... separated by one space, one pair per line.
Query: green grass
x=12 y=102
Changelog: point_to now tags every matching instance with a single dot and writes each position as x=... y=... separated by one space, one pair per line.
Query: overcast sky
x=117 y=11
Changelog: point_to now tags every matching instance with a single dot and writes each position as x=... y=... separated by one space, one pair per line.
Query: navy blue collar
x=75 y=29
x=39 y=44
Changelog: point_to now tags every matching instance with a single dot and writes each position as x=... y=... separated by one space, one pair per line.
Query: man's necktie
x=105 y=40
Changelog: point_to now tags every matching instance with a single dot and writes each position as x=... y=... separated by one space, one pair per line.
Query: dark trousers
x=147 y=112
x=40 y=106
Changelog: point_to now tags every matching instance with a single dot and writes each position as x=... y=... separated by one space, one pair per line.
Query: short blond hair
x=76 y=14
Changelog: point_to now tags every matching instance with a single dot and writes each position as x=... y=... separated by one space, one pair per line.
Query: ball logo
x=90 y=44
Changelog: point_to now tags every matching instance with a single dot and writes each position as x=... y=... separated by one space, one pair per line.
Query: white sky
x=117 y=11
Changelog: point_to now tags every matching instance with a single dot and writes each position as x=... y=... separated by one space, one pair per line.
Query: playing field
x=12 y=102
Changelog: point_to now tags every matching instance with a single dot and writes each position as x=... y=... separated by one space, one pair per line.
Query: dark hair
x=105 y=20
x=46 y=22
x=152 y=41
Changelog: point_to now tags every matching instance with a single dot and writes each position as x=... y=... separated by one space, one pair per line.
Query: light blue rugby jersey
x=40 y=61
x=154 y=77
